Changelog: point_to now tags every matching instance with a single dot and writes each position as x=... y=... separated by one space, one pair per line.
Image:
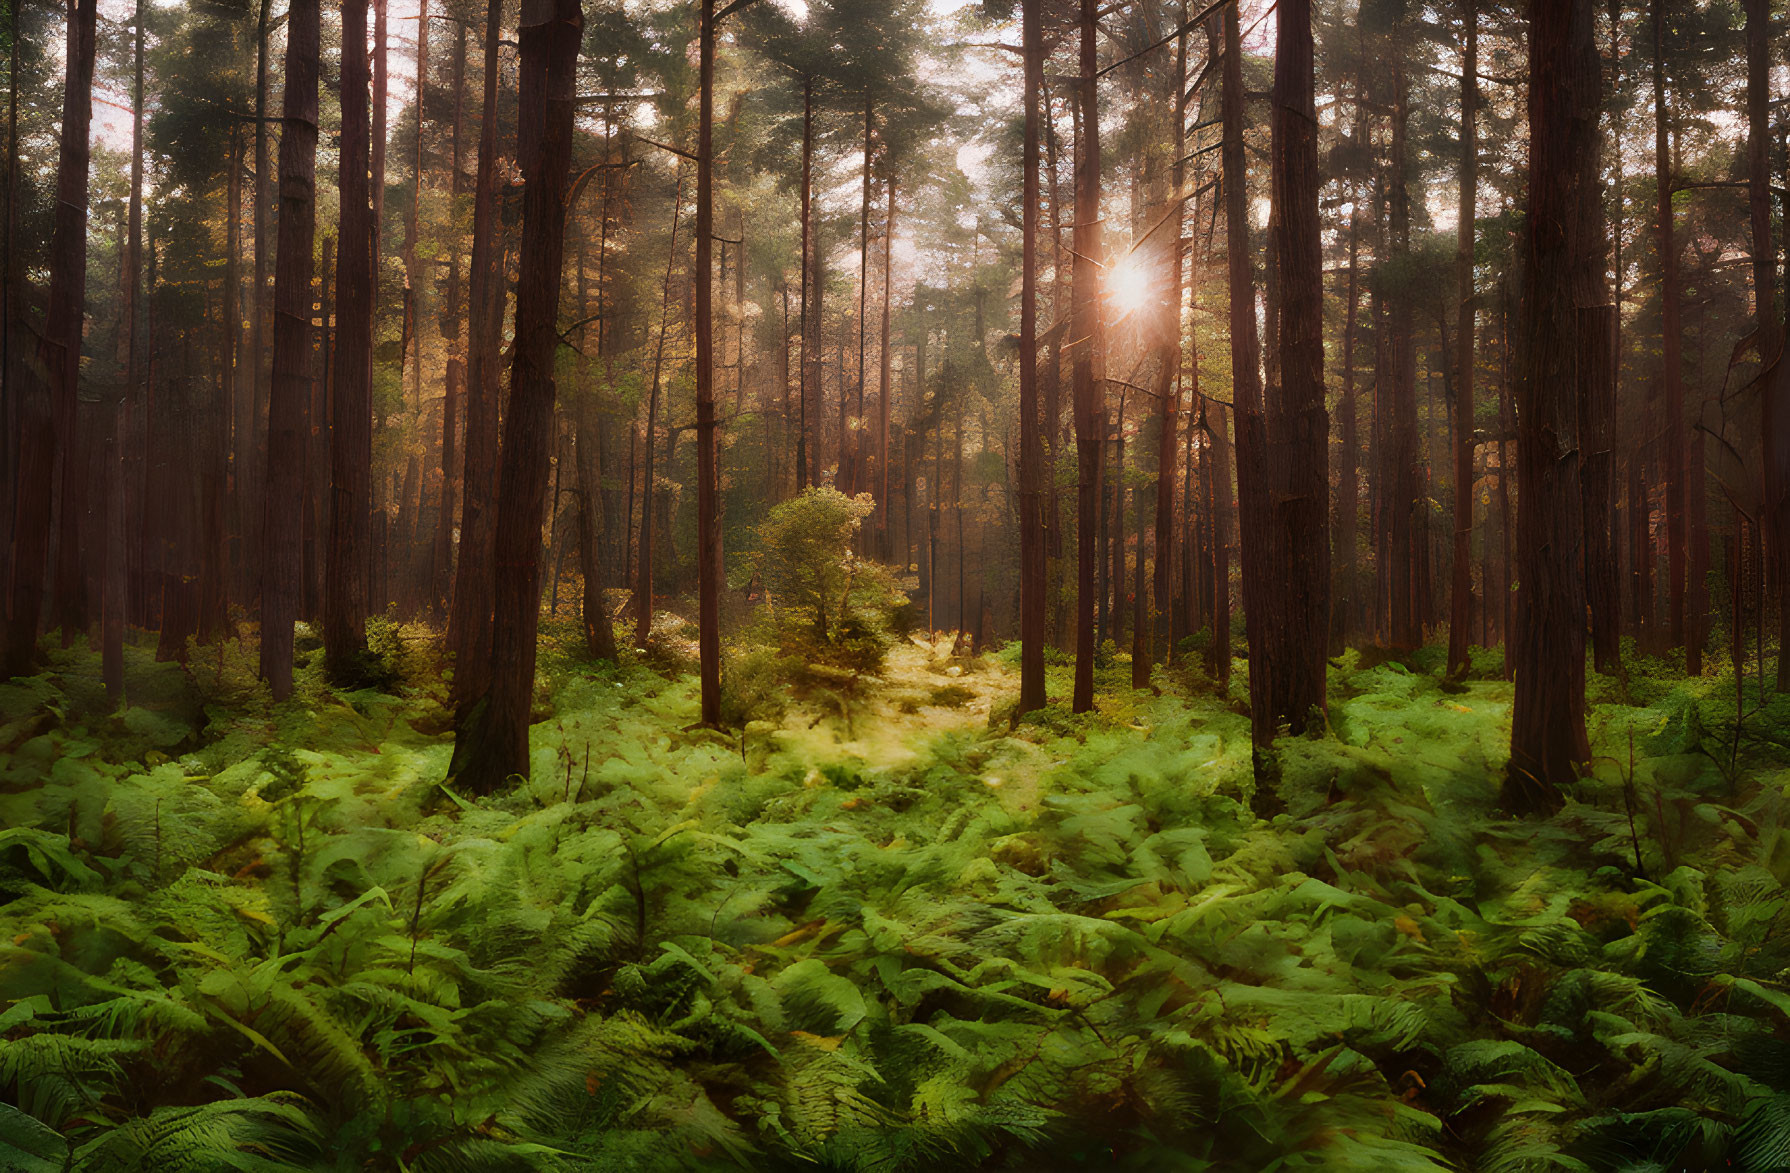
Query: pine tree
x=493 y=746
x=289 y=403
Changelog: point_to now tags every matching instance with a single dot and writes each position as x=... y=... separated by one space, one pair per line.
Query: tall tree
x=1299 y=429
x=1774 y=422
x=708 y=521
x=117 y=593
x=1671 y=336
x=643 y=586
x=493 y=746
x=1090 y=352
x=1031 y=454
x=1460 y=611
x=65 y=325
x=1547 y=648
x=48 y=408
x=288 y=412
x=351 y=406
x=1246 y=389
x=249 y=476
x=469 y=624
x=412 y=328
x=1595 y=367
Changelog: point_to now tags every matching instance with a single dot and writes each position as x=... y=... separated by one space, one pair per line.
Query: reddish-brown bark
x=493 y=746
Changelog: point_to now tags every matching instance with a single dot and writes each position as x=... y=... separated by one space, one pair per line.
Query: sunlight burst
x=1127 y=286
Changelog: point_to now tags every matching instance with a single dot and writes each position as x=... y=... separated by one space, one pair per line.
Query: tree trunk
x=1031 y=456
x=708 y=514
x=1220 y=528
x=1160 y=641
x=494 y=748
x=412 y=287
x=850 y=449
x=643 y=589
x=807 y=447
x=351 y=410
x=453 y=326
x=116 y=604
x=1460 y=602
x=289 y=402
x=1596 y=380
x=1548 y=651
x=1300 y=428
x=469 y=626
x=381 y=89
x=885 y=386
x=1671 y=336
x=1090 y=355
x=11 y=286
x=317 y=453
x=225 y=489
x=1596 y=373
x=599 y=629
x=1399 y=451
x=60 y=348
x=251 y=474
x=1252 y=441
x=1774 y=400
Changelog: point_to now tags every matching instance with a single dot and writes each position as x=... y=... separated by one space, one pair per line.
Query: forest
x=895 y=585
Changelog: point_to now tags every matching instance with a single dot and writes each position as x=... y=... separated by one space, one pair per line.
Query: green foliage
x=831 y=613
x=1070 y=947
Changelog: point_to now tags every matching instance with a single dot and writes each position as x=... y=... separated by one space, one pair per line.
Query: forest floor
x=888 y=931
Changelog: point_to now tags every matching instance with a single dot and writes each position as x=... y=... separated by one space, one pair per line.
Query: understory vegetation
x=929 y=941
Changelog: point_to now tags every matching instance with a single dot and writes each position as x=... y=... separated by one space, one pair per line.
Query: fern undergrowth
x=235 y=936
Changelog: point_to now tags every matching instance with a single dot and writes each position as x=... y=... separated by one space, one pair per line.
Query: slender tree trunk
x=1115 y=531
x=1090 y=354
x=1596 y=378
x=381 y=90
x=643 y=589
x=47 y=409
x=469 y=626
x=1031 y=456
x=1460 y=611
x=1220 y=526
x=708 y=513
x=289 y=402
x=1399 y=452
x=850 y=449
x=1506 y=524
x=1548 y=651
x=454 y=391
x=219 y=492
x=116 y=605
x=1596 y=371
x=599 y=629
x=807 y=447
x=11 y=284
x=885 y=385
x=1252 y=440
x=1774 y=401
x=1671 y=335
x=412 y=286
x=494 y=747
x=1300 y=430
x=317 y=454
x=1160 y=640
x=351 y=411
x=60 y=349
x=254 y=472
